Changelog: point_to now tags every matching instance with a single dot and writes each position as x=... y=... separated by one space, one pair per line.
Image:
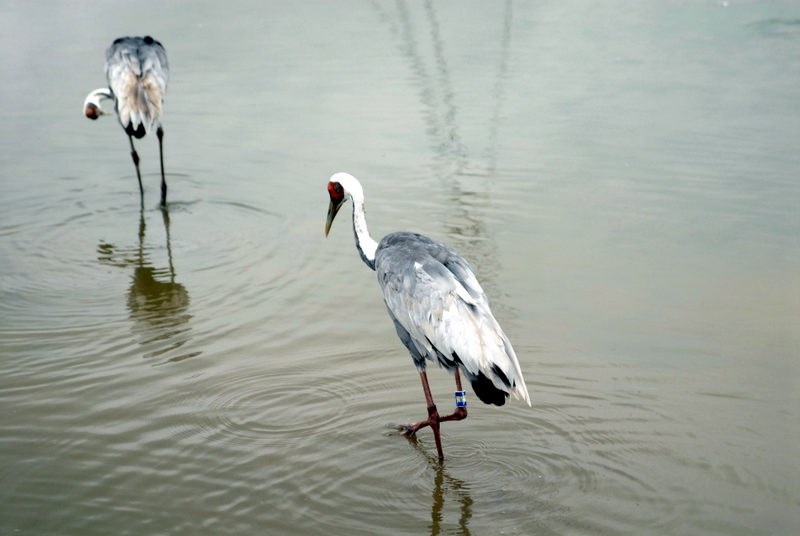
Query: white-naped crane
x=137 y=72
x=438 y=308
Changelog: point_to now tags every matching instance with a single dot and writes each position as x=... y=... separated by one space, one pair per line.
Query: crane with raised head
x=137 y=72
x=439 y=310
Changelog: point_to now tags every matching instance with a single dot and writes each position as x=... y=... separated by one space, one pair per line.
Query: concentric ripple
x=255 y=404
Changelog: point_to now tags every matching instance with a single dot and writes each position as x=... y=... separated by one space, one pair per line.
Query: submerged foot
x=408 y=430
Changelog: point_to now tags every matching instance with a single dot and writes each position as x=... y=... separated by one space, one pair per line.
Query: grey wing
x=138 y=72
x=438 y=301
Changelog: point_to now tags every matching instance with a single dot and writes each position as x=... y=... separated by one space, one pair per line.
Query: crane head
x=93 y=111
x=91 y=106
x=338 y=197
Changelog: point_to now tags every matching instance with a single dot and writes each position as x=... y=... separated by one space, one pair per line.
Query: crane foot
x=409 y=430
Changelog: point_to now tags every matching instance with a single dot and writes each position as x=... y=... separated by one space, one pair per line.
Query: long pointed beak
x=333 y=208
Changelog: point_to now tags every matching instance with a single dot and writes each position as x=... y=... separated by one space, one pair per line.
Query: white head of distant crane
x=438 y=308
x=137 y=72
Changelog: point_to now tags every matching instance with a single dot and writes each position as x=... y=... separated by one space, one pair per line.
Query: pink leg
x=160 y=134
x=135 y=157
x=461 y=412
x=434 y=419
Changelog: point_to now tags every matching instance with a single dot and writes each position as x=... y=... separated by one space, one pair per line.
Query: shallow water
x=622 y=178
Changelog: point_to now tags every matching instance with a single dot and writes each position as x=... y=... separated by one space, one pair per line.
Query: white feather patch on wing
x=138 y=86
x=439 y=310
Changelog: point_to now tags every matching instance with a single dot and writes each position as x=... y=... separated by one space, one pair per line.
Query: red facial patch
x=336 y=191
x=91 y=111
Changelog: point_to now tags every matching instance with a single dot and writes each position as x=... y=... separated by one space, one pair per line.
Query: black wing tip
x=500 y=374
x=137 y=133
x=487 y=392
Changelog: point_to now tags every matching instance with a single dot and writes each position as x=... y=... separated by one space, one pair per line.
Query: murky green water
x=622 y=176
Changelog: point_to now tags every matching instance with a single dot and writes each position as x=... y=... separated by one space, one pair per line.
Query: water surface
x=622 y=177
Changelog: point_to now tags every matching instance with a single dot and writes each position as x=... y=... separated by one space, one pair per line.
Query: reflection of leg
x=433 y=418
x=446 y=486
x=461 y=412
x=437 y=498
x=160 y=134
x=136 y=163
x=165 y=216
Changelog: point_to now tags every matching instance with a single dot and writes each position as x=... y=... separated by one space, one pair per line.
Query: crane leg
x=135 y=157
x=160 y=134
x=461 y=412
x=433 y=421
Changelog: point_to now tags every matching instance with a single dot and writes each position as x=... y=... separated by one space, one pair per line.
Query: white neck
x=364 y=242
x=96 y=96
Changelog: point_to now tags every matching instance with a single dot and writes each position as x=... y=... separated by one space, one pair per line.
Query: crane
x=439 y=310
x=137 y=72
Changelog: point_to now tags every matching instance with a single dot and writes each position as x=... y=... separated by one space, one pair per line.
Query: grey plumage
x=439 y=310
x=438 y=307
x=441 y=314
x=137 y=71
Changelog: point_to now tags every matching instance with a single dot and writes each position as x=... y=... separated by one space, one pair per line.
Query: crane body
x=439 y=310
x=137 y=72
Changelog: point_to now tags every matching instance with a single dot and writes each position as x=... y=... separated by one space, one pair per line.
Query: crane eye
x=336 y=191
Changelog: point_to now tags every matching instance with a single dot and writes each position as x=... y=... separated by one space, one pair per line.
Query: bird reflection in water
x=444 y=487
x=158 y=305
x=467 y=174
